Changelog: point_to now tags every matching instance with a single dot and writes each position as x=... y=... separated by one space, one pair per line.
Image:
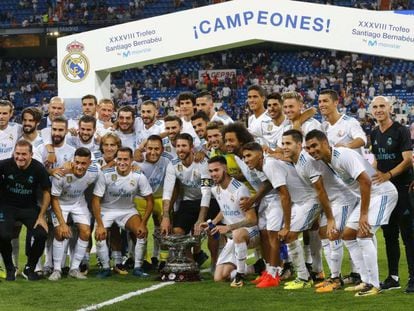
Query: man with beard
x=199 y=121
x=68 y=197
x=86 y=136
x=30 y=121
x=194 y=192
x=23 y=178
x=9 y=132
x=204 y=102
x=173 y=127
x=126 y=131
x=89 y=105
x=148 y=124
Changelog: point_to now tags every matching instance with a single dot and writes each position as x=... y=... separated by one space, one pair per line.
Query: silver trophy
x=180 y=267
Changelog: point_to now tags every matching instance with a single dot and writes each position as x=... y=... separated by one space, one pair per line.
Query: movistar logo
x=372 y=43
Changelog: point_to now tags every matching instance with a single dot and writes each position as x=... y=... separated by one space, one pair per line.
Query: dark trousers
x=28 y=216
x=401 y=220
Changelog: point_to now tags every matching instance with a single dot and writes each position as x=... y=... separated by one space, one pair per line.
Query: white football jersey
x=128 y=140
x=229 y=200
x=117 y=191
x=169 y=149
x=188 y=128
x=71 y=189
x=155 y=173
x=100 y=128
x=253 y=177
x=309 y=125
x=349 y=164
x=344 y=130
x=142 y=133
x=194 y=180
x=272 y=134
x=225 y=119
x=63 y=154
x=8 y=138
x=255 y=125
x=93 y=146
x=37 y=141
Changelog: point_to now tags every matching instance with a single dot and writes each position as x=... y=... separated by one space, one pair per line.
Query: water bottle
x=283 y=251
x=211 y=226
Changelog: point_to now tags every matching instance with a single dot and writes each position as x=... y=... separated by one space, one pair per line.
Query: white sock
x=86 y=257
x=140 y=247
x=156 y=246
x=241 y=255
x=369 y=254
x=58 y=250
x=78 y=254
x=337 y=253
x=307 y=253
x=316 y=250
x=65 y=252
x=39 y=265
x=357 y=259
x=233 y=274
x=15 y=251
x=103 y=253
x=351 y=263
x=117 y=257
x=49 y=251
x=272 y=271
x=326 y=247
x=298 y=260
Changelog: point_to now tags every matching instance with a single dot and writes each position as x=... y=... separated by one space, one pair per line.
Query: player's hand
x=138 y=156
x=197 y=227
x=67 y=166
x=108 y=124
x=331 y=229
x=135 y=168
x=364 y=227
x=51 y=159
x=73 y=131
x=64 y=231
x=246 y=204
x=266 y=148
x=58 y=172
x=341 y=145
x=380 y=177
x=100 y=233
x=220 y=229
x=199 y=156
x=142 y=231
x=204 y=226
x=41 y=221
x=165 y=225
x=283 y=233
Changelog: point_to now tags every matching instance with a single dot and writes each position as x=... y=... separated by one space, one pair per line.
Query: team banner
x=86 y=59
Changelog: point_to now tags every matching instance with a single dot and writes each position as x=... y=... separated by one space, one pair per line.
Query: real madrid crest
x=114 y=177
x=69 y=179
x=75 y=65
x=180 y=167
x=168 y=149
x=132 y=183
x=270 y=127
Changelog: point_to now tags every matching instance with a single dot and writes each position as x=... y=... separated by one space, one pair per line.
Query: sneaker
x=390 y=284
x=55 y=276
x=120 y=269
x=161 y=266
x=368 y=290
x=139 y=272
x=298 y=284
x=238 y=280
x=65 y=271
x=352 y=278
x=318 y=276
x=129 y=263
x=46 y=271
x=200 y=258
x=355 y=288
x=269 y=281
x=259 y=278
x=259 y=266
x=154 y=263
x=330 y=285
x=84 y=268
x=75 y=273
x=11 y=274
x=146 y=266
x=29 y=274
x=287 y=272
x=104 y=273
x=410 y=286
x=309 y=267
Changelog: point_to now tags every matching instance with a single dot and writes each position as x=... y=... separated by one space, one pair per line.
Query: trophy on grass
x=180 y=265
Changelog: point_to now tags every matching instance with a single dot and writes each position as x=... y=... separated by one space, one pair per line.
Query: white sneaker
x=55 y=276
x=75 y=273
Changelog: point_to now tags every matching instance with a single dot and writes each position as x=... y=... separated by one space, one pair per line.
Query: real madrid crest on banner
x=75 y=65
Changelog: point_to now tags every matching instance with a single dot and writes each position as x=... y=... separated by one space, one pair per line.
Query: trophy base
x=180 y=273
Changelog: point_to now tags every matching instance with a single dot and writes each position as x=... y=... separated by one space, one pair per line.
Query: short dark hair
x=252 y=146
x=24 y=143
x=242 y=134
x=34 y=112
x=173 y=118
x=219 y=159
x=332 y=93
x=215 y=125
x=200 y=115
x=88 y=119
x=205 y=94
x=317 y=134
x=126 y=109
x=155 y=138
x=149 y=102
x=185 y=96
x=296 y=135
x=60 y=119
x=185 y=136
x=83 y=152
x=275 y=95
x=90 y=96
x=125 y=149
x=257 y=88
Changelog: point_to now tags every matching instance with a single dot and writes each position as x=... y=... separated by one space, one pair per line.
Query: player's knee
x=84 y=234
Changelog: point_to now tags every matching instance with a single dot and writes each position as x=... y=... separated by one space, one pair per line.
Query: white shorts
x=79 y=215
x=341 y=213
x=119 y=216
x=274 y=215
x=261 y=215
x=303 y=216
x=228 y=254
x=379 y=211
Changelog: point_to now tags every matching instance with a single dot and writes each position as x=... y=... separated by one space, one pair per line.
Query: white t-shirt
x=117 y=191
x=8 y=138
x=272 y=134
x=142 y=133
x=188 y=128
x=229 y=200
x=63 y=154
x=225 y=119
x=255 y=125
x=128 y=140
x=93 y=146
x=155 y=173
